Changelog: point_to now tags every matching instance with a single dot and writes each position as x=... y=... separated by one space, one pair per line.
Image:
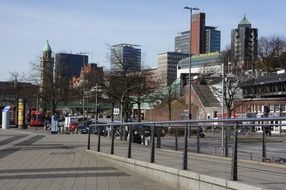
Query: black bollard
x=176 y=138
x=185 y=153
x=158 y=129
x=226 y=142
x=121 y=132
x=130 y=140
x=112 y=139
x=234 y=157
x=153 y=144
x=98 y=142
x=88 y=140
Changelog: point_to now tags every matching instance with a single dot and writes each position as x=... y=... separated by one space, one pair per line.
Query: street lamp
x=222 y=111
x=95 y=89
x=16 y=101
x=185 y=153
x=191 y=9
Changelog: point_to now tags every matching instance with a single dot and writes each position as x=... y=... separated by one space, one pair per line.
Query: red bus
x=37 y=119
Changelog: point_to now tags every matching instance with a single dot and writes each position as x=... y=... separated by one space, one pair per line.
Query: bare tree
x=269 y=50
x=121 y=82
x=232 y=91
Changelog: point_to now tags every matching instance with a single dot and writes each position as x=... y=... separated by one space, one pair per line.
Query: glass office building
x=69 y=65
x=125 y=57
x=212 y=39
x=182 y=42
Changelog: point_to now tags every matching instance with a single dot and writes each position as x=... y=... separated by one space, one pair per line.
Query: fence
x=145 y=131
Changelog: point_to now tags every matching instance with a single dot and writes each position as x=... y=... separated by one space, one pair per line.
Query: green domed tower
x=46 y=69
x=47 y=50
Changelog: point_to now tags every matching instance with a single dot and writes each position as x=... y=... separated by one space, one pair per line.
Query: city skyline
x=87 y=27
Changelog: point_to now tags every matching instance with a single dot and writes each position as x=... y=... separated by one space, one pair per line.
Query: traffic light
x=215 y=114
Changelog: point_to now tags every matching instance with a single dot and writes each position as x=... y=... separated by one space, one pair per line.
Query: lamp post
x=121 y=105
x=96 y=103
x=222 y=111
x=191 y=9
x=16 y=102
x=185 y=154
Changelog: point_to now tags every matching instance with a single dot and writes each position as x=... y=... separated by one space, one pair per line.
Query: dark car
x=95 y=129
x=82 y=129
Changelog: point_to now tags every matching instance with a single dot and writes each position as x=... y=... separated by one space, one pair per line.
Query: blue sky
x=91 y=25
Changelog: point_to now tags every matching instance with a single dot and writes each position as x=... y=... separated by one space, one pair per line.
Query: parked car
x=95 y=129
x=73 y=127
x=84 y=126
x=82 y=129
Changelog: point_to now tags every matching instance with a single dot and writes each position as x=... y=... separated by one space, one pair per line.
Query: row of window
x=273 y=108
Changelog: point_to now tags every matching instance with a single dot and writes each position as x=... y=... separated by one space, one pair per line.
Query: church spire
x=47 y=47
x=244 y=21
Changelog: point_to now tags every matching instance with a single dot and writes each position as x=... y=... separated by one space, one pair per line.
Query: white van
x=71 y=123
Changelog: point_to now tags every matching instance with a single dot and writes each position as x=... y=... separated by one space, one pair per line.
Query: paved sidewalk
x=31 y=160
x=60 y=162
x=265 y=175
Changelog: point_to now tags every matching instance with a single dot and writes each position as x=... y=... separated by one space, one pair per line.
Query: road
x=249 y=148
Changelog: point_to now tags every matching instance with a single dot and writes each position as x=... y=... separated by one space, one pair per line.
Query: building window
x=258 y=108
x=283 y=107
x=276 y=108
x=272 y=108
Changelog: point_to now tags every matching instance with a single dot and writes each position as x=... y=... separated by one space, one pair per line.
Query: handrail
x=233 y=120
x=235 y=123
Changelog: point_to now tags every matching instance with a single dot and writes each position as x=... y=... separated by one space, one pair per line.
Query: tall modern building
x=167 y=66
x=198 y=39
x=70 y=65
x=125 y=58
x=244 y=45
x=212 y=39
x=204 y=39
x=47 y=73
x=182 y=42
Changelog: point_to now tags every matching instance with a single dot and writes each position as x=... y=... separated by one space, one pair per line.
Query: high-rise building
x=212 y=39
x=125 y=58
x=182 y=42
x=70 y=65
x=167 y=66
x=244 y=45
x=47 y=73
x=198 y=39
x=204 y=39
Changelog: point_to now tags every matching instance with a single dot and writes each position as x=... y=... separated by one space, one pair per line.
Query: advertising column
x=21 y=114
x=6 y=117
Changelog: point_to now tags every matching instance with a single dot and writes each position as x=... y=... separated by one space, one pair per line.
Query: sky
x=92 y=26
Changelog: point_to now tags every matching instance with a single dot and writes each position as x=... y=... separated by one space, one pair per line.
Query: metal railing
x=193 y=125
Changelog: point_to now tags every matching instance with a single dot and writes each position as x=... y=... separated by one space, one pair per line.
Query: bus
x=37 y=119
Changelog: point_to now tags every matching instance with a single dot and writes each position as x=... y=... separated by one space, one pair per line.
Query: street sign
x=116 y=111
